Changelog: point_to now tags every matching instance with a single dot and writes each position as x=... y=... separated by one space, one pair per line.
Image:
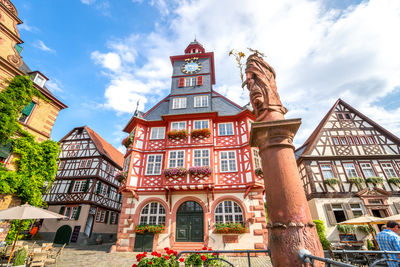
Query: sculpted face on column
x=260 y=81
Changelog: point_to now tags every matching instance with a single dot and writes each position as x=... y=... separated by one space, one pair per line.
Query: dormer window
x=38 y=78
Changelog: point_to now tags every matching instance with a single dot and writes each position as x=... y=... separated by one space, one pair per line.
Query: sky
x=102 y=56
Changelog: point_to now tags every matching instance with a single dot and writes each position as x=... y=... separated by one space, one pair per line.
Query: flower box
x=259 y=172
x=356 y=180
x=145 y=228
x=394 y=180
x=200 y=171
x=230 y=228
x=331 y=181
x=177 y=134
x=201 y=133
x=121 y=176
x=127 y=141
x=175 y=172
x=374 y=180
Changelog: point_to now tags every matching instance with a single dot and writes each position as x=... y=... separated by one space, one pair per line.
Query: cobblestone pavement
x=98 y=256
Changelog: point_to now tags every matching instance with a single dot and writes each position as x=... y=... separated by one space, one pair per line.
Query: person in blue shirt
x=389 y=240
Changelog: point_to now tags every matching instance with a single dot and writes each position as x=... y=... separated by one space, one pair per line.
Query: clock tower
x=190 y=168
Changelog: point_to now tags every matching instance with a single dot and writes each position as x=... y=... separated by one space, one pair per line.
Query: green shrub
x=331 y=181
x=365 y=229
x=20 y=257
x=321 y=234
x=370 y=245
x=346 y=229
x=394 y=180
x=374 y=180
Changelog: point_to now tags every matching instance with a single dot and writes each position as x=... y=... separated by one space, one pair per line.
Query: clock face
x=191 y=66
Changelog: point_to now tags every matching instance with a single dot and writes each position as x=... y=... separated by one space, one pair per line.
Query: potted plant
x=374 y=180
x=177 y=134
x=394 y=180
x=331 y=181
x=121 y=176
x=146 y=228
x=175 y=172
x=200 y=171
x=127 y=141
x=201 y=133
x=366 y=229
x=20 y=257
x=356 y=180
x=346 y=229
x=229 y=228
x=259 y=172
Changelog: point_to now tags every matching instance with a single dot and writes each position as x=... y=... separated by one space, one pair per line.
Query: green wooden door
x=189 y=222
x=63 y=235
x=144 y=242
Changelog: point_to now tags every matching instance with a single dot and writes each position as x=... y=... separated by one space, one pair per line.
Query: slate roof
x=105 y=148
x=25 y=69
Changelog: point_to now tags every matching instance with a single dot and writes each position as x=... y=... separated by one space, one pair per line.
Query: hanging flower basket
x=121 y=176
x=374 y=180
x=127 y=141
x=175 y=172
x=331 y=181
x=177 y=134
x=394 y=180
x=259 y=172
x=200 y=171
x=144 y=228
x=230 y=228
x=201 y=133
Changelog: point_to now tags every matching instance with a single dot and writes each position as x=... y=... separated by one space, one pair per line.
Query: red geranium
x=166 y=249
x=166 y=257
x=181 y=260
x=203 y=258
x=204 y=248
x=134 y=265
x=150 y=263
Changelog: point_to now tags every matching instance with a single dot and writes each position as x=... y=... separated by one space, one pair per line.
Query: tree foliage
x=321 y=234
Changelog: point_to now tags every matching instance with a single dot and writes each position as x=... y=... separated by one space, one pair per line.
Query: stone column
x=290 y=226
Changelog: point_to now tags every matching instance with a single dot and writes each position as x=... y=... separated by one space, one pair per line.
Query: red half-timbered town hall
x=190 y=167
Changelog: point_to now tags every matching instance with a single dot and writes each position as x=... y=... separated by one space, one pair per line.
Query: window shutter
x=78 y=212
x=106 y=219
x=71 y=184
x=199 y=80
x=108 y=191
x=397 y=206
x=348 y=211
x=28 y=109
x=98 y=187
x=62 y=210
x=330 y=214
x=116 y=218
x=85 y=189
x=5 y=150
x=181 y=82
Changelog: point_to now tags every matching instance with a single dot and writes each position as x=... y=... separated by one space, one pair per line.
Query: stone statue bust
x=264 y=97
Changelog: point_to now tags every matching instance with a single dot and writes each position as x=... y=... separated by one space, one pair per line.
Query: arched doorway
x=189 y=222
x=63 y=235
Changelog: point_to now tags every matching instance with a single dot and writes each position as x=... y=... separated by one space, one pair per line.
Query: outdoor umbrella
x=365 y=219
x=390 y=218
x=26 y=212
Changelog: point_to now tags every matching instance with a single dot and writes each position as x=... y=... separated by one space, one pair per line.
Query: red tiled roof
x=106 y=148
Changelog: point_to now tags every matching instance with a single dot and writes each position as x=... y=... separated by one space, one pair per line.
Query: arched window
x=228 y=211
x=153 y=213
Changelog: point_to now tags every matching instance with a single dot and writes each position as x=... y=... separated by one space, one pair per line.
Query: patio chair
x=37 y=259
x=54 y=255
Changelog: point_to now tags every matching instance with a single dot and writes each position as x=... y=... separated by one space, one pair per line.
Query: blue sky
x=102 y=56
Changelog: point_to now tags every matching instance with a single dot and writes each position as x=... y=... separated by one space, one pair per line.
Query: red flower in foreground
x=203 y=258
x=204 y=248
x=181 y=260
x=154 y=253
x=210 y=249
x=166 y=257
x=166 y=248
x=150 y=263
x=135 y=265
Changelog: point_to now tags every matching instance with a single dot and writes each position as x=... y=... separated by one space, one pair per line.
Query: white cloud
x=40 y=45
x=319 y=54
x=26 y=27
x=88 y=2
x=54 y=85
x=109 y=61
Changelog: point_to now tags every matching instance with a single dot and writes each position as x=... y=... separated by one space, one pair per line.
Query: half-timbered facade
x=85 y=190
x=350 y=166
x=218 y=183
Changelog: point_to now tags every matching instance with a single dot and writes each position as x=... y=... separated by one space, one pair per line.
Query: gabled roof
x=309 y=143
x=106 y=148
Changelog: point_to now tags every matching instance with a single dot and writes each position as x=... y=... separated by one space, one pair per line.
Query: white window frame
x=388 y=168
x=178 y=125
x=190 y=81
x=149 y=213
x=256 y=158
x=356 y=209
x=113 y=217
x=224 y=130
x=154 y=164
x=202 y=158
x=79 y=186
x=179 y=102
x=157 y=133
x=200 y=101
x=176 y=159
x=221 y=160
x=74 y=211
x=351 y=169
x=103 y=189
x=324 y=169
x=234 y=213
x=365 y=168
x=202 y=122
